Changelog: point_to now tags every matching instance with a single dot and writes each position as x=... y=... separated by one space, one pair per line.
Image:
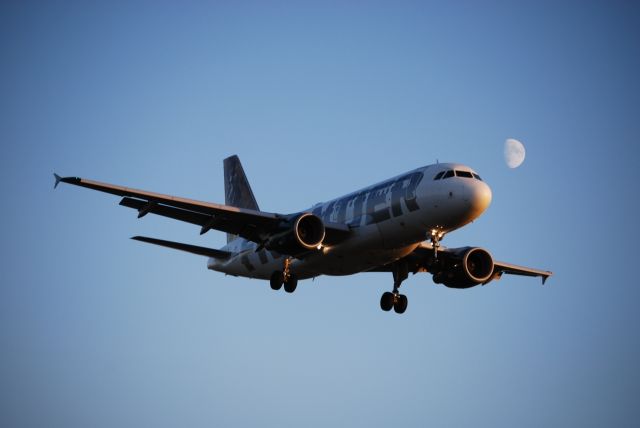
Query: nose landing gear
x=394 y=299
x=435 y=238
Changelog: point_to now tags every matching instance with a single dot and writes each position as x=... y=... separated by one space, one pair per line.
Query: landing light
x=319 y=247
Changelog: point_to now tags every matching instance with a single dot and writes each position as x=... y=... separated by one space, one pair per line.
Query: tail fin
x=237 y=192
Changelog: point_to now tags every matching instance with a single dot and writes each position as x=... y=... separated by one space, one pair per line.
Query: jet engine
x=463 y=268
x=299 y=236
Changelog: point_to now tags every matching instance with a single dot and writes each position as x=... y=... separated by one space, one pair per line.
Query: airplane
x=394 y=226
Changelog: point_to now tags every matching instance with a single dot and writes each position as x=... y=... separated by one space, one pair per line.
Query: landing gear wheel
x=277 y=279
x=290 y=284
x=386 y=301
x=437 y=278
x=400 y=304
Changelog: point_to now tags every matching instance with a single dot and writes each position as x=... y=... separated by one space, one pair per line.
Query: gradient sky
x=318 y=99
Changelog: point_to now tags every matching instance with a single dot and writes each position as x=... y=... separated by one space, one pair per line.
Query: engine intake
x=301 y=235
x=478 y=265
x=468 y=268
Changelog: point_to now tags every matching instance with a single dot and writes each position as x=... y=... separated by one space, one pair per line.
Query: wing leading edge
x=250 y=224
x=501 y=267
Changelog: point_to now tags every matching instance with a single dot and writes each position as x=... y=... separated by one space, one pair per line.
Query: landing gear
x=435 y=238
x=284 y=277
x=277 y=279
x=394 y=299
x=386 y=301
x=401 y=304
x=290 y=284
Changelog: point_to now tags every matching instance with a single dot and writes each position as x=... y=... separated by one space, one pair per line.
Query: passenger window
x=438 y=176
x=447 y=174
x=465 y=174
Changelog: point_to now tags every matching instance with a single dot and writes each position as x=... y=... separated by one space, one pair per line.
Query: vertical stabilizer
x=237 y=192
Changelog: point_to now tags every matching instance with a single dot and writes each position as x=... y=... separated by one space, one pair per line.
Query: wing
x=423 y=256
x=250 y=224
x=501 y=267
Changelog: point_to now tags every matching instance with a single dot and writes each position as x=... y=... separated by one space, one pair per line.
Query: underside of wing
x=502 y=267
x=459 y=267
x=282 y=233
x=249 y=224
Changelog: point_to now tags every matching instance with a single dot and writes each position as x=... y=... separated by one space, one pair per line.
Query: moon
x=514 y=152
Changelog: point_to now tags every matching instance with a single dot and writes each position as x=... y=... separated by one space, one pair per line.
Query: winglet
x=71 y=180
x=58 y=179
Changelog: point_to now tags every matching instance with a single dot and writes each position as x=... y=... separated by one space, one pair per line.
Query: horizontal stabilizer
x=194 y=249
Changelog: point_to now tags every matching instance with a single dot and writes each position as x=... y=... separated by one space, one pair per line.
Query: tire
x=277 y=278
x=386 y=301
x=401 y=304
x=291 y=284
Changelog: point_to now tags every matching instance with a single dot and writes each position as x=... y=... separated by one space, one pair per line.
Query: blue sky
x=317 y=99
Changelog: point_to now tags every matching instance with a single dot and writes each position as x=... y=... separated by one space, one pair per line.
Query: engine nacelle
x=467 y=268
x=303 y=234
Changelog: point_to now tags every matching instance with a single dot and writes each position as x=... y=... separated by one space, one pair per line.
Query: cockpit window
x=457 y=173
x=465 y=174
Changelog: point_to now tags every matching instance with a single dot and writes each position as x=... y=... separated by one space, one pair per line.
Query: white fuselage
x=387 y=220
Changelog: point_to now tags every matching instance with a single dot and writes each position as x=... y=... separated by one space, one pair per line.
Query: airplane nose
x=479 y=197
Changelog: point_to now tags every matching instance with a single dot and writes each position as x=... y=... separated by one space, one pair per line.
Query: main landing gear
x=394 y=299
x=284 y=277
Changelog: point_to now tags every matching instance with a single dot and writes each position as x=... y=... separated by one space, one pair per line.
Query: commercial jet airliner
x=393 y=226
